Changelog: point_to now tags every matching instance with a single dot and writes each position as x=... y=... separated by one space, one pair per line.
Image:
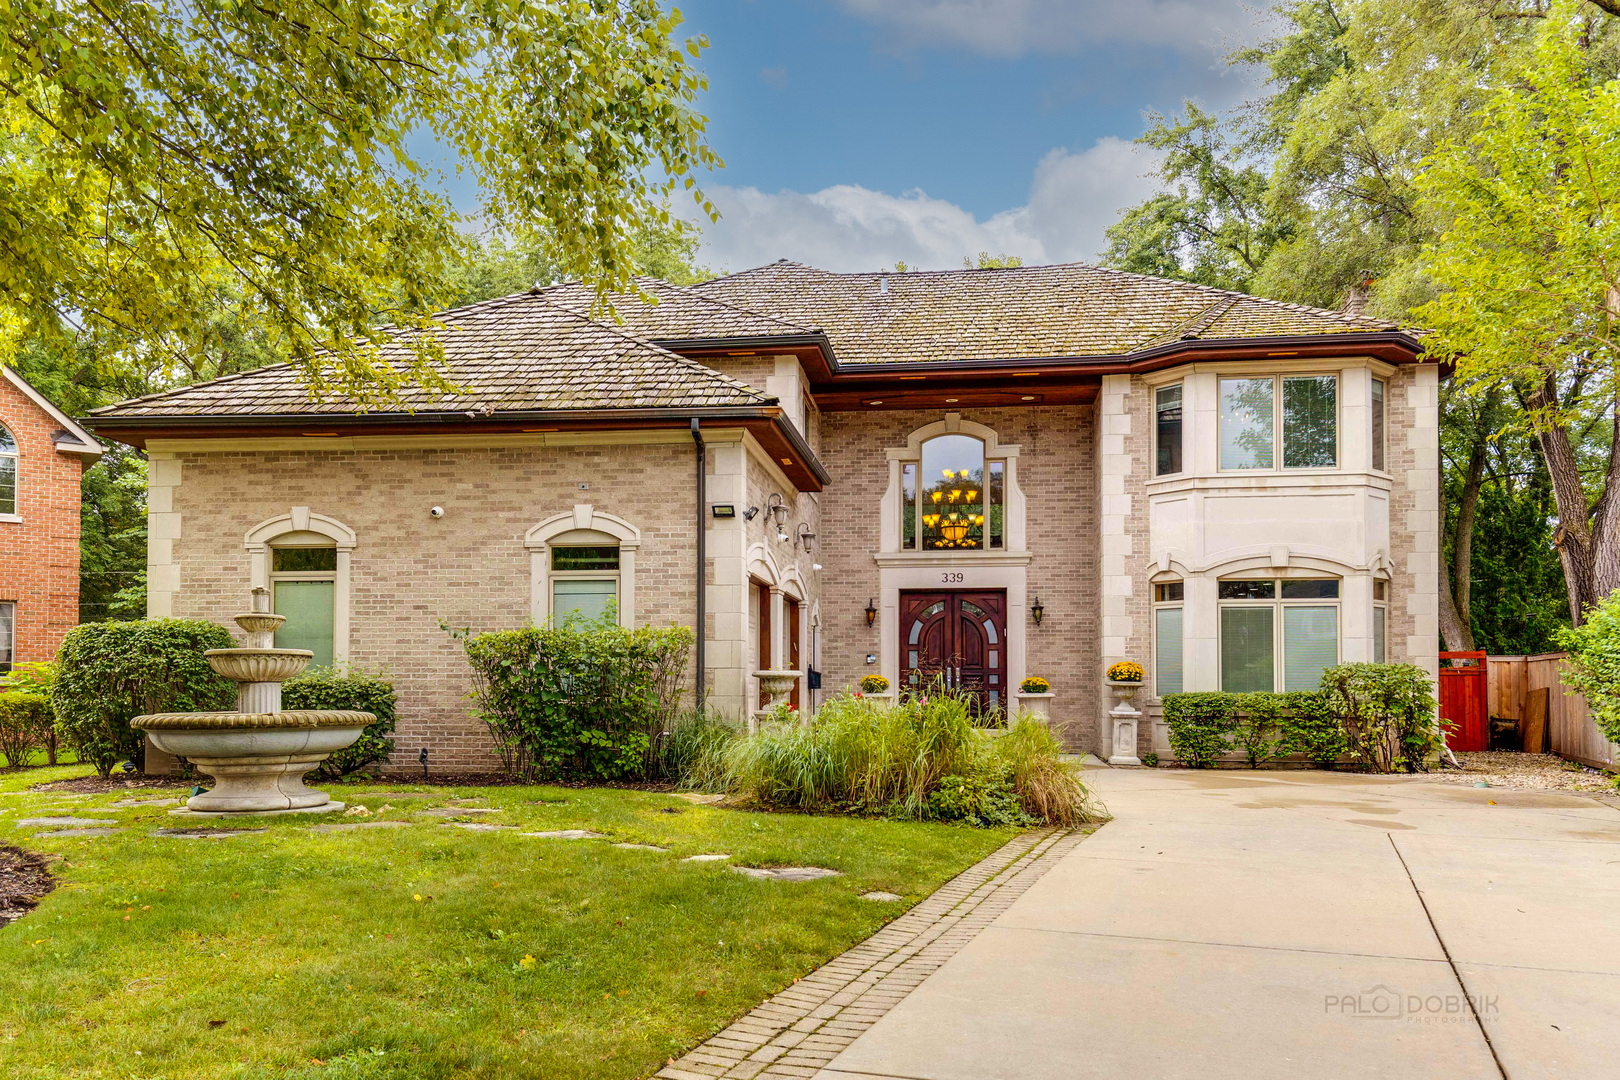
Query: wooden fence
x=1513 y=693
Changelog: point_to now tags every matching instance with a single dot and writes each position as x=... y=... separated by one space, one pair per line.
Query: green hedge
x=111 y=672
x=26 y=724
x=1594 y=663
x=585 y=700
x=347 y=688
x=1383 y=715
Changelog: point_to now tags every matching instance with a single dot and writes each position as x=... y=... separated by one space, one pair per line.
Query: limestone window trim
x=573 y=528
x=302 y=527
x=1014 y=512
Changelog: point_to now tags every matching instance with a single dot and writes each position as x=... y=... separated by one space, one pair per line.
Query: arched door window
x=8 y=472
x=952 y=498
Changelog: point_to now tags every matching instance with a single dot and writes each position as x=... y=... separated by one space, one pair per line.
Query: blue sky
x=861 y=132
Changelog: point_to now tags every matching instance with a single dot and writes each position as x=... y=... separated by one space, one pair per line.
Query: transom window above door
x=952 y=498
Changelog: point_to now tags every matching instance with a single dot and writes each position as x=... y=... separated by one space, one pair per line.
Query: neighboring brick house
x=42 y=458
x=974 y=475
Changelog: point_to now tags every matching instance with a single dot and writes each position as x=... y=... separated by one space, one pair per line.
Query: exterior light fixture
x=871 y=613
x=748 y=514
x=1038 y=611
x=777 y=507
x=422 y=760
x=805 y=536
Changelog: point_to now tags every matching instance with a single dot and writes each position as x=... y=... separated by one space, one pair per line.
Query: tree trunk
x=1456 y=611
x=1588 y=534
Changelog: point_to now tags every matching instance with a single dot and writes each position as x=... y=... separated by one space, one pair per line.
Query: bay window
x=1300 y=411
x=1167 y=429
x=1277 y=634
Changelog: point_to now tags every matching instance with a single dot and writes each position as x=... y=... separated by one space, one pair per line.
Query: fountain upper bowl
x=258 y=665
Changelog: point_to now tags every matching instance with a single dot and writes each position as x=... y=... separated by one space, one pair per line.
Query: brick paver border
x=801 y=1029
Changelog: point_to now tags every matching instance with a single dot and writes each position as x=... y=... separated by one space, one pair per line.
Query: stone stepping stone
x=131 y=804
x=786 y=873
x=569 y=834
x=74 y=832
x=47 y=822
x=882 y=896
x=456 y=811
x=640 y=847
x=347 y=826
x=476 y=826
x=204 y=834
x=706 y=858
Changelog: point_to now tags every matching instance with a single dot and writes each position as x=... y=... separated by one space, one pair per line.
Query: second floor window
x=1167 y=429
x=8 y=472
x=952 y=499
x=1300 y=411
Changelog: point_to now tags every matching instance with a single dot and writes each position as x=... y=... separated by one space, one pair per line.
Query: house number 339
x=951 y=577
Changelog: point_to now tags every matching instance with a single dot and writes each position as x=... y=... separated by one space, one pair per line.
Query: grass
x=426 y=951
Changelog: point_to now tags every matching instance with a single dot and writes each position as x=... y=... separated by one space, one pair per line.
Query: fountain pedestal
x=259 y=754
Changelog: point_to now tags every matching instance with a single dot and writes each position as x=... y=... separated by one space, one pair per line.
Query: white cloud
x=1072 y=199
x=1009 y=28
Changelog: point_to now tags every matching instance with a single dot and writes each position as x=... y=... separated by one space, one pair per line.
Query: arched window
x=583 y=566
x=952 y=498
x=8 y=472
x=303 y=559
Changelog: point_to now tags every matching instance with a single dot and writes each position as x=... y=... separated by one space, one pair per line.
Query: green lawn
x=430 y=951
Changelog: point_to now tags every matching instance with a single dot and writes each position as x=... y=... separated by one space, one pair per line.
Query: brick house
x=43 y=455
x=976 y=475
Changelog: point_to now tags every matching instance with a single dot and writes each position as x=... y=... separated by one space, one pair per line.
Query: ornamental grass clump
x=922 y=759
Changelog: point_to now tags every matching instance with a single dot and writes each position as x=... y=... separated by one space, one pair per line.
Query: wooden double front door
x=958 y=638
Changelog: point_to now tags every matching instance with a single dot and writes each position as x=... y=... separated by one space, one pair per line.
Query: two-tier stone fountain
x=257 y=755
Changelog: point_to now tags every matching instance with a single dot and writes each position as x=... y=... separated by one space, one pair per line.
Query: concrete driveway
x=1290 y=925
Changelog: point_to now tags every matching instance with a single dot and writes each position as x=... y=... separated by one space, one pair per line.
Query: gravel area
x=1525 y=772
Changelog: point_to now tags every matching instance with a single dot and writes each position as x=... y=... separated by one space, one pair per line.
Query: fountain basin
x=258 y=665
x=258 y=760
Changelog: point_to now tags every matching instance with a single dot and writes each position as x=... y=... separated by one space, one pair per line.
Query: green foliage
x=1201 y=726
x=347 y=688
x=921 y=759
x=26 y=722
x=159 y=162
x=691 y=750
x=1258 y=732
x=1309 y=727
x=1594 y=663
x=111 y=672
x=31 y=677
x=581 y=700
x=1387 y=713
x=112 y=537
x=987 y=261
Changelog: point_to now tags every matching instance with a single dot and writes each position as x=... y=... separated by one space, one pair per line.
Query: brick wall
x=39 y=555
x=1056 y=473
x=409 y=570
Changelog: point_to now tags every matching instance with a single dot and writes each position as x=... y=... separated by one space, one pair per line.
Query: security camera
x=437 y=511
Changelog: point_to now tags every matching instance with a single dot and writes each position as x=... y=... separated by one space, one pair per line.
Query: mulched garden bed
x=95 y=785
x=23 y=880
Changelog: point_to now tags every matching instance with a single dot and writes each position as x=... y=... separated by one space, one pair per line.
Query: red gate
x=1463 y=702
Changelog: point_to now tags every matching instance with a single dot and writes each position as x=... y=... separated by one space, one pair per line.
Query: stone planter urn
x=1037 y=705
x=777 y=685
x=1124 y=717
x=257 y=755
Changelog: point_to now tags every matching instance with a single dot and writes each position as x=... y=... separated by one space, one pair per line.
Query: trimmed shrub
x=585 y=700
x=1387 y=713
x=1308 y=726
x=347 y=688
x=1258 y=729
x=25 y=720
x=1201 y=726
x=1594 y=663
x=111 y=672
x=35 y=677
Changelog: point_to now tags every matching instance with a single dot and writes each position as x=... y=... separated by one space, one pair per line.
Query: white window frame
x=1154 y=421
x=8 y=643
x=279 y=576
x=1278 y=450
x=1169 y=605
x=14 y=455
x=305 y=528
x=561 y=530
x=1279 y=660
x=554 y=575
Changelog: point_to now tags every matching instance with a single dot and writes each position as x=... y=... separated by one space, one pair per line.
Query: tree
x=161 y=157
x=1529 y=275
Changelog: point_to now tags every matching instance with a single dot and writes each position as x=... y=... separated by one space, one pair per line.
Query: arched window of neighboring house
x=8 y=472
x=952 y=499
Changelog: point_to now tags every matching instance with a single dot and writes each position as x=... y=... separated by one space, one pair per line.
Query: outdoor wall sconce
x=871 y=613
x=805 y=536
x=1038 y=612
x=777 y=507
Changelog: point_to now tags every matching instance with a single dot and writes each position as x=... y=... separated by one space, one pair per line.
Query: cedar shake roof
x=680 y=314
x=517 y=353
x=1028 y=312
